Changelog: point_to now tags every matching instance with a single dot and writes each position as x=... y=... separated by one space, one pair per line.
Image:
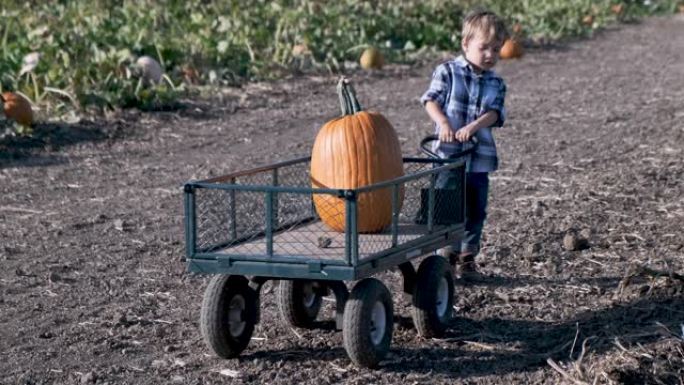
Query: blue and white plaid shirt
x=464 y=96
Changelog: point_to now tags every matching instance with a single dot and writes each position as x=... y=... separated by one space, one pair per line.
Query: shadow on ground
x=22 y=150
x=514 y=345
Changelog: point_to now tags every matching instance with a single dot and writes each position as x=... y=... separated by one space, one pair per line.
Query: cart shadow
x=298 y=355
x=500 y=346
x=606 y=283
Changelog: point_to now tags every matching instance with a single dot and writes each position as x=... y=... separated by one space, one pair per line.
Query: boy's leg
x=477 y=191
x=449 y=180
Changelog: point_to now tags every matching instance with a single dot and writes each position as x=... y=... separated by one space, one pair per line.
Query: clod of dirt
x=532 y=250
x=324 y=242
x=88 y=378
x=573 y=242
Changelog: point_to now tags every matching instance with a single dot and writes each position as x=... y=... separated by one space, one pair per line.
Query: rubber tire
x=356 y=330
x=222 y=289
x=291 y=304
x=424 y=313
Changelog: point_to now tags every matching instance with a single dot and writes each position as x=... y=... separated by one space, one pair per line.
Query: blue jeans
x=476 y=193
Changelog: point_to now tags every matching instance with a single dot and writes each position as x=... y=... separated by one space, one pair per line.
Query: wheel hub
x=309 y=295
x=236 y=309
x=378 y=323
x=442 y=297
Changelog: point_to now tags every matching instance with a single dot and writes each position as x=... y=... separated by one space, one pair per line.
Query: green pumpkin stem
x=348 y=101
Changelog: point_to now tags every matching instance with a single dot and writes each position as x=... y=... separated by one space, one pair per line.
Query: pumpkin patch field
x=583 y=249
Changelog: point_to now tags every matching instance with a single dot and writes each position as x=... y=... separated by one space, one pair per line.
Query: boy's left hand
x=463 y=135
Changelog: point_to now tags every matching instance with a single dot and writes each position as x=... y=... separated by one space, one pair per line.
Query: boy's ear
x=464 y=43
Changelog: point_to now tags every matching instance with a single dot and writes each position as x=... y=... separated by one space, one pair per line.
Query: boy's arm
x=494 y=117
x=435 y=112
x=485 y=120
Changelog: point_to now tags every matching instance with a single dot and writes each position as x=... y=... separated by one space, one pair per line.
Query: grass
x=88 y=48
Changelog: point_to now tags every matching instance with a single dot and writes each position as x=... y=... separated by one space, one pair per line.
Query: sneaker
x=467 y=267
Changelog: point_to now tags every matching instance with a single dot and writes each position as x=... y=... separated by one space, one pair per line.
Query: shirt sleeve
x=438 y=87
x=496 y=103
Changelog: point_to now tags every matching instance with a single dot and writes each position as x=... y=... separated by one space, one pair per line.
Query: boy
x=466 y=99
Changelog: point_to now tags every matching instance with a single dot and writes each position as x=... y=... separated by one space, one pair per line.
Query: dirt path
x=92 y=289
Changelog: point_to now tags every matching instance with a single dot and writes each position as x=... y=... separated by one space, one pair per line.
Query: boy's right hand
x=445 y=133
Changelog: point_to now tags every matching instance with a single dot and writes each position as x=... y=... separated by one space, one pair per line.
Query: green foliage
x=87 y=48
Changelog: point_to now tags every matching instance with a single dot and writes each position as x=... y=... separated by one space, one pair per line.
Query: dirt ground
x=92 y=289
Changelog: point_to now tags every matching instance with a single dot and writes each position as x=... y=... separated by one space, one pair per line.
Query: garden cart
x=253 y=226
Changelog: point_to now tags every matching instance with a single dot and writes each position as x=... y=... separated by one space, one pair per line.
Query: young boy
x=466 y=99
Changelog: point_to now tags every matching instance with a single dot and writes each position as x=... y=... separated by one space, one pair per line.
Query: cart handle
x=431 y=138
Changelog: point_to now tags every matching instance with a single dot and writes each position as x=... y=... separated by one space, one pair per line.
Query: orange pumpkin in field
x=511 y=49
x=17 y=108
x=617 y=9
x=358 y=149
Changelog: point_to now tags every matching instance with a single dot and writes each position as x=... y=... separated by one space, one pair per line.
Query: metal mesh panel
x=233 y=221
x=414 y=213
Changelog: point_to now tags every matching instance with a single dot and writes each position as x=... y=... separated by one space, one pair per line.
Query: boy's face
x=481 y=51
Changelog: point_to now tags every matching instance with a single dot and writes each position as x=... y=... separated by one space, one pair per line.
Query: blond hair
x=485 y=22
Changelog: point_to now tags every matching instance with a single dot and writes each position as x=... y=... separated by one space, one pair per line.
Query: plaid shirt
x=464 y=96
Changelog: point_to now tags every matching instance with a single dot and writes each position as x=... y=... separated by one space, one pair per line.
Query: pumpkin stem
x=348 y=101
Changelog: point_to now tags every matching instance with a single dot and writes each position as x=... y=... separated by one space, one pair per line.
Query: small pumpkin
x=511 y=49
x=358 y=149
x=300 y=50
x=588 y=20
x=372 y=58
x=517 y=29
x=17 y=108
x=617 y=9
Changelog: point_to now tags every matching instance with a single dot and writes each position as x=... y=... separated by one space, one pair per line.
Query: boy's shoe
x=467 y=267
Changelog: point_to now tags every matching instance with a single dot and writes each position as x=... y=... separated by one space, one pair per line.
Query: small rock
x=54 y=277
x=158 y=364
x=119 y=224
x=88 y=378
x=46 y=335
x=532 y=250
x=99 y=218
x=178 y=379
x=572 y=242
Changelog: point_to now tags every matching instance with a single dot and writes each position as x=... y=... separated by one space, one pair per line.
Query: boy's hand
x=463 y=135
x=445 y=133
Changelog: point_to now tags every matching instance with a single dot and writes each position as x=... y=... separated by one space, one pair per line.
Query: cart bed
x=263 y=222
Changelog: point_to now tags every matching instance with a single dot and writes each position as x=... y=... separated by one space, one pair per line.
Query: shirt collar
x=462 y=62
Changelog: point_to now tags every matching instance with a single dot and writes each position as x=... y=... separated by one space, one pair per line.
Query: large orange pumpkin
x=358 y=149
x=17 y=108
x=511 y=49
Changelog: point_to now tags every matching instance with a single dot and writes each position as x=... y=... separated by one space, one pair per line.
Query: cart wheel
x=433 y=297
x=368 y=323
x=229 y=313
x=299 y=302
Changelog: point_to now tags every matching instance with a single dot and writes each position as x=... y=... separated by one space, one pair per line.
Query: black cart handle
x=431 y=138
